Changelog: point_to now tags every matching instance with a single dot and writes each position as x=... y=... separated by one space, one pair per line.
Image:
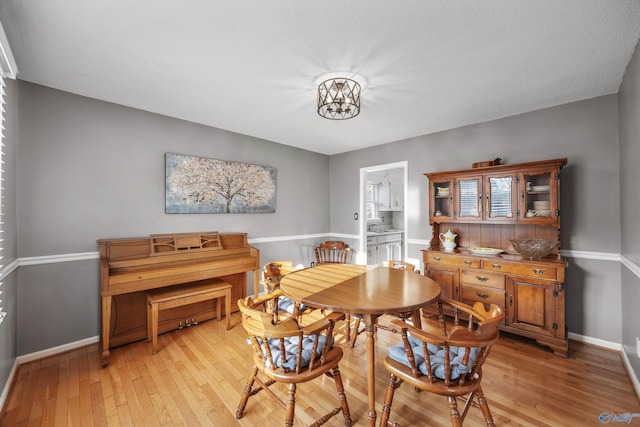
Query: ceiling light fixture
x=339 y=99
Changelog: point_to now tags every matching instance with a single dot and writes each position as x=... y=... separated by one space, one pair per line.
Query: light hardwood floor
x=199 y=372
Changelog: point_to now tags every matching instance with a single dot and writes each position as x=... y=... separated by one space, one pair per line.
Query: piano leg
x=106 y=324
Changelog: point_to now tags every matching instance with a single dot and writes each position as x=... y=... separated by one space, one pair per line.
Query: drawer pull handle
x=468 y=262
x=538 y=271
x=437 y=258
x=481 y=295
x=482 y=278
x=496 y=266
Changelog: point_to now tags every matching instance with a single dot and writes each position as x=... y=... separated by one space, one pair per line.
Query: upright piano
x=130 y=266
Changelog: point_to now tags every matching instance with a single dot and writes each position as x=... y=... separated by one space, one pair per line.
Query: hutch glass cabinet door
x=501 y=198
x=469 y=195
x=441 y=197
x=539 y=196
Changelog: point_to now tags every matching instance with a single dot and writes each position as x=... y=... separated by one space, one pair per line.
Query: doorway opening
x=383 y=196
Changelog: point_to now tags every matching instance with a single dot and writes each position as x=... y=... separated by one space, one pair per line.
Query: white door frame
x=404 y=165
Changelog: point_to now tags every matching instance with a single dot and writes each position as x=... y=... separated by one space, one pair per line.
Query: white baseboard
x=631 y=373
x=56 y=350
x=613 y=346
x=7 y=385
x=41 y=355
x=595 y=341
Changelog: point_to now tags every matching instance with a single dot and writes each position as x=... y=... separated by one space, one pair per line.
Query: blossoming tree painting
x=202 y=185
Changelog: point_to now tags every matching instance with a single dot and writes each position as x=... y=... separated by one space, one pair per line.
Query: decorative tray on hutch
x=485 y=251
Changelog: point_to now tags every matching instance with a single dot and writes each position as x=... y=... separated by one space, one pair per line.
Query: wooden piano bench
x=176 y=296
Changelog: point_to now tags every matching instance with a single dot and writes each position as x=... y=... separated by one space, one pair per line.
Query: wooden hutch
x=487 y=207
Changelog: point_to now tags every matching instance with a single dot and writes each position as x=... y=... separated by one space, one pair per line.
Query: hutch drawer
x=529 y=270
x=454 y=260
x=484 y=279
x=469 y=294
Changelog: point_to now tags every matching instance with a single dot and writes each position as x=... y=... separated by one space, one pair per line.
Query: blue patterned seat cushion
x=288 y=305
x=436 y=354
x=291 y=349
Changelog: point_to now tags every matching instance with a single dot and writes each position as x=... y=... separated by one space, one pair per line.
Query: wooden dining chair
x=285 y=352
x=272 y=273
x=401 y=265
x=333 y=252
x=447 y=360
x=336 y=252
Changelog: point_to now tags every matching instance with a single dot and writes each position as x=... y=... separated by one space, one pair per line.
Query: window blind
x=373 y=199
x=8 y=69
x=2 y=118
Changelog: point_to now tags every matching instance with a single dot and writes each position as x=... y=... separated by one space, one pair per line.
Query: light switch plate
x=638 y=347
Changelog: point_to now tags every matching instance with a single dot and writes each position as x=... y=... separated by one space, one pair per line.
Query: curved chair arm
x=254 y=301
x=399 y=265
x=478 y=310
x=400 y=326
x=458 y=335
x=476 y=316
x=322 y=324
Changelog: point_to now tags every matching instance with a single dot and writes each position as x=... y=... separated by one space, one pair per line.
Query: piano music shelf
x=170 y=244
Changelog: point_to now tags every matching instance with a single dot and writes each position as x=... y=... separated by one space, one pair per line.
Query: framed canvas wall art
x=203 y=185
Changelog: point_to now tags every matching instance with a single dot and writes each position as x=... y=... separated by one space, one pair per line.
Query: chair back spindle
x=333 y=252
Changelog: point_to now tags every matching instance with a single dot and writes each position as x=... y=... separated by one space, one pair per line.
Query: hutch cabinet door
x=501 y=197
x=539 y=196
x=441 y=200
x=449 y=280
x=531 y=305
x=447 y=277
x=468 y=197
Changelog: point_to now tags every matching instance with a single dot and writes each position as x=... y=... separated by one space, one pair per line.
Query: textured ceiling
x=253 y=66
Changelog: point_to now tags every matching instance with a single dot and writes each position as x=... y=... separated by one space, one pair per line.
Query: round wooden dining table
x=367 y=290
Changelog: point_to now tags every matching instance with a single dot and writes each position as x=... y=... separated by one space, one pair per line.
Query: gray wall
x=584 y=132
x=89 y=169
x=629 y=106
